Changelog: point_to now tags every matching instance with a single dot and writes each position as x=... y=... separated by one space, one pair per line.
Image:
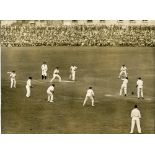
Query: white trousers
x=56 y=76
x=123 y=88
x=135 y=120
x=123 y=72
x=28 y=91
x=73 y=75
x=13 y=83
x=44 y=72
x=139 y=92
x=88 y=97
x=50 y=96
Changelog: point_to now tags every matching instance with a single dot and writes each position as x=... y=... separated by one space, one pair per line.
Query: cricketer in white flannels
x=124 y=86
x=56 y=74
x=72 y=72
x=89 y=95
x=135 y=115
x=28 y=87
x=12 y=79
x=44 y=69
x=123 y=70
x=50 y=92
x=140 y=88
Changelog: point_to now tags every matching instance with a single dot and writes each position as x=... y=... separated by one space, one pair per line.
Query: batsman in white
x=89 y=95
x=44 y=69
x=50 y=92
x=12 y=79
x=56 y=74
x=123 y=71
x=28 y=87
x=140 y=88
x=124 y=86
x=72 y=72
x=135 y=115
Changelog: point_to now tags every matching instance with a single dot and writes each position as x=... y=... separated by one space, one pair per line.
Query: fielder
x=140 y=88
x=56 y=74
x=135 y=115
x=72 y=72
x=124 y=86
x=44 y=69
x=123 y=71
x=28 y=87
x=89 y=95
x=12 y=79
x=50 y=92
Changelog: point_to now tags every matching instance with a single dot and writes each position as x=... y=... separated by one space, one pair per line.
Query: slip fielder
x=50 y=92
x=89 y=95
x=12 y=79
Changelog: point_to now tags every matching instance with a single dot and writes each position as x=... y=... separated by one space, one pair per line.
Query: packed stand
x=77 y=35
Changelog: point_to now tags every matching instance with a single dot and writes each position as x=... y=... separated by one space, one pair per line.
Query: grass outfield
x=97 y=67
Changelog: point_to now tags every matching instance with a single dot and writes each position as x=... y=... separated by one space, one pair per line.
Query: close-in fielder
x=28 y=87
x=124 y=86
x=89 y=95
x=140 y=88
x=50 y=92
x=12 y=79
x=135 y=115
x=72 y=72
x=44 y=69
x=56 y=74
x=123 y=71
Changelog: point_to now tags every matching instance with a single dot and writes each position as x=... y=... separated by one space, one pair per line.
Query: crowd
x=77 y=35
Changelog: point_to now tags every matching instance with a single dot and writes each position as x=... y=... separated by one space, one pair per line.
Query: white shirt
x=123 y=68
x=90 y=92
x=28 y=83
x=44 y=67
x=12 y=75
x=50 y=89
x=73 y=68
x=140 y=83
x=56 y=71
x=125 y=82
x=135 y=113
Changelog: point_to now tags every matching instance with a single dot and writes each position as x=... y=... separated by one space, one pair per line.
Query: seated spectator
x=77 y=35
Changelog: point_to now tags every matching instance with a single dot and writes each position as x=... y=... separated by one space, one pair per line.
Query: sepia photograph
x=77 y=76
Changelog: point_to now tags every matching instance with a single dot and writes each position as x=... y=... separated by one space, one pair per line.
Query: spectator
x=77 y=35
